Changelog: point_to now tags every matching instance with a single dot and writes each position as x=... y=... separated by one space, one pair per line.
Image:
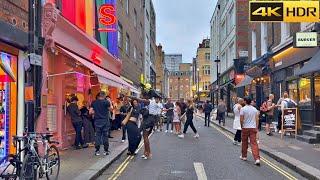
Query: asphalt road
x=212 y=156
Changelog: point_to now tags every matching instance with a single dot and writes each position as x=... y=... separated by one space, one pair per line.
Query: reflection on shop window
x=305 y=92
x=317 y=97
x=293 y=91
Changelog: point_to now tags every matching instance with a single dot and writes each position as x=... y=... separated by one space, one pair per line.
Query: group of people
x=248 y=117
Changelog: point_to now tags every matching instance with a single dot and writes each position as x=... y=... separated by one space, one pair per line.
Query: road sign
x=35 y=59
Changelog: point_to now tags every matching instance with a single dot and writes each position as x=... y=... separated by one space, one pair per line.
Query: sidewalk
x=83 y=164
x=297 y=155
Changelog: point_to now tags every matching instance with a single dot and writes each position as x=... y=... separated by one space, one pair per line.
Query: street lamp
x=198 y=80
x=217 y=61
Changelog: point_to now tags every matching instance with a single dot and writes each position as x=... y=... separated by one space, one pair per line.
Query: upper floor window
x=128 y=44
x=147 y=14
x=135 y=18
x=207 y=56
x=254 y=45
x=264 y=38
x=120 y=35
x=127 y=7
x=135 y=53
x=285 y=31
x=206 y=70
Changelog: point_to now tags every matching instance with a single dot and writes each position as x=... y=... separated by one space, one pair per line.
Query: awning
x=246 y=81
x=104 y=76
x=312 y=66
x=5 y=66
x=262 y=60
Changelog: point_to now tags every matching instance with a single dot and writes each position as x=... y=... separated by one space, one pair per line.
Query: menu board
x=289 y=120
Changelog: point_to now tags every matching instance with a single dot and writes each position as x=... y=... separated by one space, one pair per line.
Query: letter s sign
x=107 y=17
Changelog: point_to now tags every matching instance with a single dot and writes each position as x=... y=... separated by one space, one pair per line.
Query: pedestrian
x=130 y=122
x=111 y=117
x=168 y=108
x=118 y=118
x=263 y=114
x=176 y=118
x=159 y=122
x=270 y=114
x=88 y=129
x=221 y=111
x=101 y=108
x=123 y=113
x=183 y=107
x=285 y=103
x=249 y=119
x=189 y=121
x=77 y=122
x=236 y=122
x=207 y=108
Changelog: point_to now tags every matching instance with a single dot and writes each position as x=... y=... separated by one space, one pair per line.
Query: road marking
x=201 y=173
x=125 y=163
x=270 y=164
x=295 y=147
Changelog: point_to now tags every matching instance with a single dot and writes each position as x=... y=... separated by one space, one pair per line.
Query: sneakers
x=196 y=136
x=181 y=136
x=171 y=131
x=257 y=163
x=280 y=132
x=144 y=157
x=123 y=140
x=97 y=153
x=106 y=153
x=166 y=131
x=235 y=142
x=243 y=158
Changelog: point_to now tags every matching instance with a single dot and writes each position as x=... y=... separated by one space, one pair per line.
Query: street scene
x=159 y=89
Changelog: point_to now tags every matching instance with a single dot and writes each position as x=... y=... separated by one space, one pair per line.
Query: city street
x=175 y=158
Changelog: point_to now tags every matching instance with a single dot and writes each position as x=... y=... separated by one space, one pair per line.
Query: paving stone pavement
x=83 y=164
x=298 y=154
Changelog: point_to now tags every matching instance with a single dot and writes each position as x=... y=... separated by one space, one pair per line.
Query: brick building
x=180 y=82
x=162 y=82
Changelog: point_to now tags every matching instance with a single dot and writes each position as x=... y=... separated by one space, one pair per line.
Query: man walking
x=168 y=107
x=249 y=119
x=207 y=113
x=221 y=112
x=270 y=114
x=123 y=112
x=101 y=109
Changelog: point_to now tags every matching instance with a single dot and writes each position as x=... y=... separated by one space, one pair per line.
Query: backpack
x=289 y=104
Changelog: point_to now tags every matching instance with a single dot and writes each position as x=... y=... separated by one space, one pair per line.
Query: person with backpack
x=285 y=103
x=207 y=108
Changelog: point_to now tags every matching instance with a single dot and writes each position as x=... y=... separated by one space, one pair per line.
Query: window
x=127 y=7
x=135 y=18
x=206 y=70
x=120 y=35
x=231 y=20
x=207 y=44
x=285 y=31
x=147 y=44
x=128 y=44
x=147 y=14
x=254 y=45
x=223 y=31
x=141 y=31
x=305 y=91
x=205 y=86
x=264 y=38
x=207 y=56
x=135 y=53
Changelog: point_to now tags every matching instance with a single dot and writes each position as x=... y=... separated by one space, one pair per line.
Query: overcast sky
x=182 y=24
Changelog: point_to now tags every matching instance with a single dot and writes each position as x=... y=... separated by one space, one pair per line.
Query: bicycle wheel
x=29 y=168
x=53 y=159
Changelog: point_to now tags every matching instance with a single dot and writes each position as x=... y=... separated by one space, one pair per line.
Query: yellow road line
x=125 y=163
x=270 y=164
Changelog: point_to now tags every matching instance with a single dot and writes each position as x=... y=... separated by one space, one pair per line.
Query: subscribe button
x=286 y=11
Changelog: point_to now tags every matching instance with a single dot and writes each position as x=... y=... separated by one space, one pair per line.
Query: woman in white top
x=236 y=121
x=176 y=118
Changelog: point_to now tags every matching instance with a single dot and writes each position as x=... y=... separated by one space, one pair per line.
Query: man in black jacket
x=207 y=108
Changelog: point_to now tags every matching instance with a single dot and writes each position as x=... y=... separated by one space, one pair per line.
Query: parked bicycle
x=33 y=166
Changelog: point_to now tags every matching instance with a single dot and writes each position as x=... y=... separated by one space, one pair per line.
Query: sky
x=182 y=24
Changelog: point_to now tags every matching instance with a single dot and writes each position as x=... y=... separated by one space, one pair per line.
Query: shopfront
x=303 y=87
x=227 y=88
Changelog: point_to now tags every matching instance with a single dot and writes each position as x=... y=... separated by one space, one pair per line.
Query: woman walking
x=189 y=121
x=88 y=129
x=236 y=122
x=134 y=135
x=176 y=118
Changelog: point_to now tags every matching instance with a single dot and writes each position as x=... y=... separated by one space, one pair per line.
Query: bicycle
x=34 y=166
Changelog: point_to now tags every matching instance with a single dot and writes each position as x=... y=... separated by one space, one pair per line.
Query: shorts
x=269 y=119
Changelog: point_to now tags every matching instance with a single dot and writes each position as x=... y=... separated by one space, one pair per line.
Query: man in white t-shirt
x=249 y=119
x=159 y=120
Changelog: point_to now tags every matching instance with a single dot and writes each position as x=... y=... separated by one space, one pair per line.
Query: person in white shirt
x=236 y=122
x=159 y=119
x=249 y=119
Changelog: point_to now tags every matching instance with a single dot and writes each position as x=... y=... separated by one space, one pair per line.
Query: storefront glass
x=317 y=98
x=305 y=92
x=293 y=90
x=8 y=102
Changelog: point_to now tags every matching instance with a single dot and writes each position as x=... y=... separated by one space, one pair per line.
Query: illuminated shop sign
x=306 y=39
x=107 y=18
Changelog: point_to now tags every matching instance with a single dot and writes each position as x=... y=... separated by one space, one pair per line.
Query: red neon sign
x=95 y=58
x=107 y=17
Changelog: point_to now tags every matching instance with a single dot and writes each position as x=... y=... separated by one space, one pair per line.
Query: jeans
x=252 y=134
x=221 y=117
x=169 y=120
x=78 y=139
x=207 y=119
x=102 y=137
x=118 y=120
x=88 y=130
x=237 y=136
x=188 y=123
x=134 y=136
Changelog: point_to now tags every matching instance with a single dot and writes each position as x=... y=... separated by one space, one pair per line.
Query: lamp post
x=217 y=61
x=198 y=84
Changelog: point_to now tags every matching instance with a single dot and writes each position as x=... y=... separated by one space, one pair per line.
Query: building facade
x=160 y=69
x=131 y=39
x=203 y=70
x=229 y=43
x=181 y=82
x=173 y=61
x=13 y=52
